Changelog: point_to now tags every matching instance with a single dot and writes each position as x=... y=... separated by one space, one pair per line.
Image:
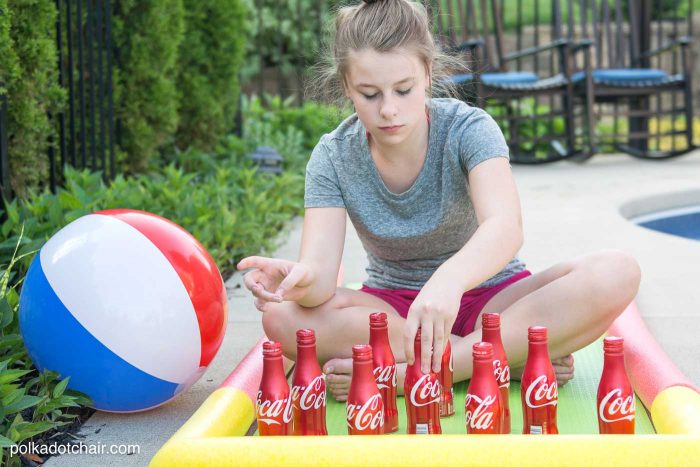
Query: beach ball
x=126 y=303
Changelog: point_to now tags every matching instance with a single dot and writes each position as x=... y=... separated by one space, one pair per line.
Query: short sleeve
x=480 y=139
x=322 y=189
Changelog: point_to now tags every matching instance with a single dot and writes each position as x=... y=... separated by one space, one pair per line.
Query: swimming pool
x=683 y=222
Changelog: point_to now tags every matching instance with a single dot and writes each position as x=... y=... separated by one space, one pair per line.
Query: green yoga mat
x=576 y=411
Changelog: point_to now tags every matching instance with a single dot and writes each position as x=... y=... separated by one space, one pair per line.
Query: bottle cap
x=378 y=320
x=272 y=349
x=362 y=352
x=306 y=336
x=613 y=344
x=491 y=320
x=482 y=350
x=537 y=334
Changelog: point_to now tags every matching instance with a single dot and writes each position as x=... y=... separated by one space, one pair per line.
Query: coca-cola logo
x=312 y=396
x=541 y=394
x=385 y=376
x=425 y=392
x=369 y=415
x=269 y=410
x=614 y=408
x=480 y=418
x=502 y=373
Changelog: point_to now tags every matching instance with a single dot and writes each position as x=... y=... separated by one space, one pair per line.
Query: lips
x=390 y=128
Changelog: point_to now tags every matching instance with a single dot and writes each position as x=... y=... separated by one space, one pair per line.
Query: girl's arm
x=322 y=241
x=312 y=280
x=500 y=233
x=495 y=242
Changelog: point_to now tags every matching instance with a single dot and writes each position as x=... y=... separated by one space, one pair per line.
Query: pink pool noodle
x=649 y=368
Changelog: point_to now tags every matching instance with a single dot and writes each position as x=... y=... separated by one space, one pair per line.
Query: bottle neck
x=306 y=354
x=614 y=362
x=362 y=369
x=492 y=335
x=483 y=368
x=273 y=368
x=537 y=350
x=378 y=336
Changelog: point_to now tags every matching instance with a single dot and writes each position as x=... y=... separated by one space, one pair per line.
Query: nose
x=388 y=109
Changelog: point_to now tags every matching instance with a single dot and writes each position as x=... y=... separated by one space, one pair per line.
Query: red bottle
x=483 y=406
x=384 y=369
x=616 y=404
x=364 y=408
x=447 y=407
x=422 y=395
x=273 y=407
x=538 y=389
x=308 y=388
x=491 y=332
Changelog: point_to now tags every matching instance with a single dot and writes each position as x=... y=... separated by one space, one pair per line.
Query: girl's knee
x=279 y=326
x=613 y=277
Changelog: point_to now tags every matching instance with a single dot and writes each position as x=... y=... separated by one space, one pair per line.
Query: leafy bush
x=219 y=197
x=147 y=36
x=209 y=58
x=28 y=79
x=31 y=403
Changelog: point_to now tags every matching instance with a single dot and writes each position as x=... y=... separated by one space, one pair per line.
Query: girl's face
x=388 y=91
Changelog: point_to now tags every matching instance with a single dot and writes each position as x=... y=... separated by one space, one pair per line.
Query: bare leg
x=577 y=300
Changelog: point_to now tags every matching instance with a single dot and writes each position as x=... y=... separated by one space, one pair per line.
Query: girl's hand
x=275 y=280
x=434 y=311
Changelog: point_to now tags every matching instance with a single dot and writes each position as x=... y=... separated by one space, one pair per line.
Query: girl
x=428 y=187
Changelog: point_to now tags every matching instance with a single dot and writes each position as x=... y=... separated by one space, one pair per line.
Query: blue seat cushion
x=624 y=76
x=511 y=77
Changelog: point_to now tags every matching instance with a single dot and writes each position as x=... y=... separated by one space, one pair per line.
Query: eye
x=404 y=92
x=370 y=97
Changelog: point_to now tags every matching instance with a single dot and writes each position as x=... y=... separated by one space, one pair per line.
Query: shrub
x=28 y=79
x=209 y=58
x=147 y=36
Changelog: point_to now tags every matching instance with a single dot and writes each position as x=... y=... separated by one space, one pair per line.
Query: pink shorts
x=471 y=305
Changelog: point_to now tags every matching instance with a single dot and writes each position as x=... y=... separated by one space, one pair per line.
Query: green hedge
x=28 y=78
x=176 y=71
x=209 y=59
x=147 y=36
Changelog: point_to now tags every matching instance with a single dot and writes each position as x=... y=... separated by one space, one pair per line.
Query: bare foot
x=563 y=369
x=339 y=373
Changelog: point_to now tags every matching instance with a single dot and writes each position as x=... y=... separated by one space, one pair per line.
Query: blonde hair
x=382 y=26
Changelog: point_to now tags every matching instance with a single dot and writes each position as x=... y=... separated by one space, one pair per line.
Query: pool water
x=682 y=222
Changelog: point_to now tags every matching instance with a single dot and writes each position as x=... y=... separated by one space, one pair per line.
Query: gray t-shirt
x=407 y=236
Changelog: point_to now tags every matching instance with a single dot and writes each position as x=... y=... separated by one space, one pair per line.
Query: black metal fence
x=86 y=127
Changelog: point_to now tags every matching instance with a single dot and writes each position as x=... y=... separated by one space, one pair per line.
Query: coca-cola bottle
x=384 y=369
x=273 y=406
x=538 y=389
x=491 y=332
x=364 y=408
x=447 y=407
x=422 y=395
x=616 y=405
x=308 y=388
x=483 y=403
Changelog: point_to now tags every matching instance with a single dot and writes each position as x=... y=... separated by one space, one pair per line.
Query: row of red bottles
x=371 y=404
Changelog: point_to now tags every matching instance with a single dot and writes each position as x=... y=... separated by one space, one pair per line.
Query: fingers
x=254 y=281
x=290 y=281
x=438 y=345
x=426 y=344
x=409 y=336
x=253 y=262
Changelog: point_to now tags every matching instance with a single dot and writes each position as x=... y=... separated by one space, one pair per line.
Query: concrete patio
x=568 y=210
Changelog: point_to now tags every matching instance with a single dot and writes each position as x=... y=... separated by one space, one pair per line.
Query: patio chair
x=528 y=90
x=632 y=59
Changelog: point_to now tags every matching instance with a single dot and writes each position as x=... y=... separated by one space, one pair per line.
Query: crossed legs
x=577 y=300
